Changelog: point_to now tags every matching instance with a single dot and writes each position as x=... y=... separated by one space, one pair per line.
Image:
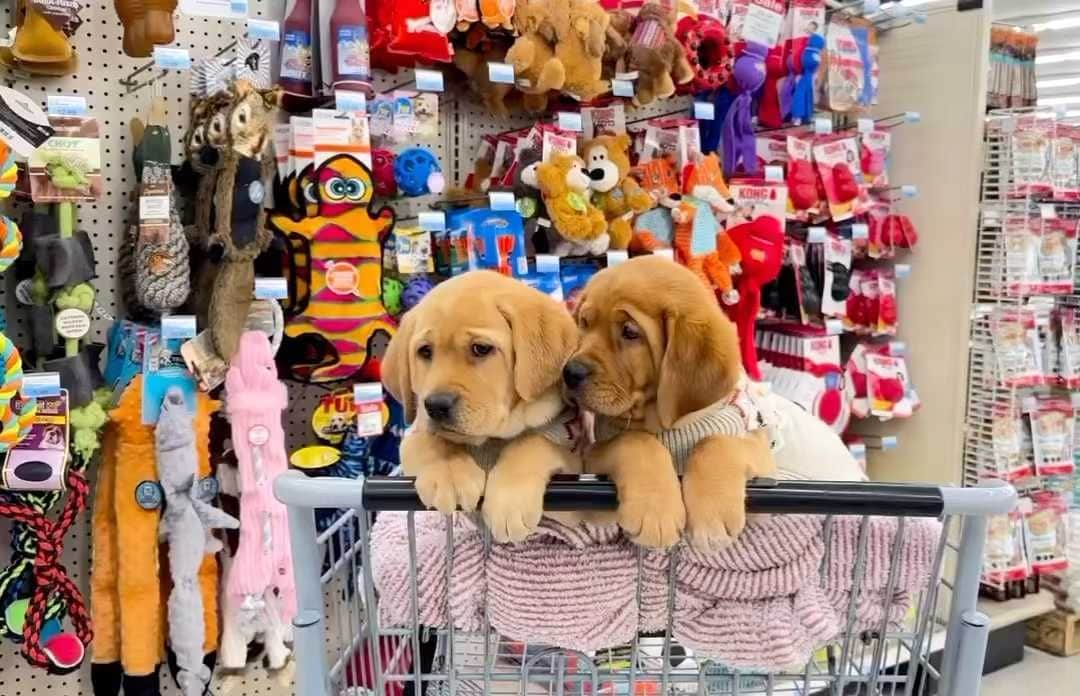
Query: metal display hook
x=132 y=85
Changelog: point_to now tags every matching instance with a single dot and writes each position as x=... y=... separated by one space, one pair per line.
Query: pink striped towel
x=765 y=602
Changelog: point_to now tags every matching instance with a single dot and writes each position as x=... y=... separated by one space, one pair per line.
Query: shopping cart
x=341 y=648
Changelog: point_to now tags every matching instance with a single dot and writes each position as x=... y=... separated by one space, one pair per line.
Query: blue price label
x=909 y=190
x=355 y=102
x=271 y=289
x=178 y=326
x=547 y=263
x=172 y=58
x=432 y=220
x=429 y=80
x=239 y=8
x=622 y=88
x=704 y=111
x=502 y=200
x=501 y=73
x=66 y=105
x=570 y=121
x=38 y=385
x=267 y=29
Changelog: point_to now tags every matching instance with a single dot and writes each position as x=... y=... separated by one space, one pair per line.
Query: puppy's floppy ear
x=544 y=338
x=701 y=363
x=397 y=366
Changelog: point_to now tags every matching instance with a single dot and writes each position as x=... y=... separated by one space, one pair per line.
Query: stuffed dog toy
x=476 y=365
x=659 y=365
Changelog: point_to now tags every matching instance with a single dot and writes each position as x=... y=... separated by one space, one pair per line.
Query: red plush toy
x=414 y=34
x=769 y=107
x=705 y=42
x=761 y=244
x=802 y=184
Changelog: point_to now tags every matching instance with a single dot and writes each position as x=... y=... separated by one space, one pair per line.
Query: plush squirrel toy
x=240 y=224
x=185 y=525
x=564 y=184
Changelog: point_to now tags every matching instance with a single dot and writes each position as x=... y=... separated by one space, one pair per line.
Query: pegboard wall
x=102 y=66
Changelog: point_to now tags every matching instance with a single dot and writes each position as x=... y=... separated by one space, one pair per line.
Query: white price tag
x=774 y=172
x=167 y=58
x=615 y=257
x=429 y=80
x=570 y=121
x=353 y=102
x=668 y=254
x=153 y=207
x=267 y=29
x=178 y=326
x=1047 y=211
x=432 y=220
x=866 y=125
x=547 y=263
x=501 y=73
x=860 y=230
x=912 y=116
x=909 y=190
x=368 y=399
x=816 y=235
x=889 y=442
x=704 y=111
x=271 y=289
x=65 y=105
x=239 y=8
x=834 y=327
x=823 y=125
x=37 y=385
x=902 y=270
x=502 y=200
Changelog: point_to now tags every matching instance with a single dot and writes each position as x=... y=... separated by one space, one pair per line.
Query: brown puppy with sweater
x=659 y=365
x=477 y=366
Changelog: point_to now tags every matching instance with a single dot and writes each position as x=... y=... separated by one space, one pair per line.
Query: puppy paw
x=713 y=522
x=512 y=509
x=451 y=483
x=655 y=521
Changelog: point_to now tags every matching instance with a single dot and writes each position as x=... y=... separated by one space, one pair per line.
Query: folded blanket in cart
x=767 y=601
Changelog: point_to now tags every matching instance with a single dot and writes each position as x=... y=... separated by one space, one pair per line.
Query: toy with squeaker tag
x=417 y=172
x=345 y=309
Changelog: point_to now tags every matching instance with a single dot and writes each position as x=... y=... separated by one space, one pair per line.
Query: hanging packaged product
x=251 y=62
x=350 y=54
x=846 y=74
x=865 y=36
x=887 y=386
x=1022 y=251
x=496 y=239
x=298 y=61
x=874 y=147
x=603 y=120
x=1064 y=168
x=41 y=43
x=412 y=248
x=1031 y=146
x=758 y=21
x=1005 y=557
x=1046 y=532
x=164 y=369
x=557 y=141
x=1057 y=255
x=838 y=164
x=887 y=314
x=1068 y=321
x=1016 y=346
x=71 y=158
x=371 y=412
x=1052 y=433
x=340 y=133
x=837 y=277
x=333 y=415
x=1009 y=461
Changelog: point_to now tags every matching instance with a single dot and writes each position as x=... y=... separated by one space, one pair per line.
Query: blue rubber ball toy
x=417 y=172
x=415 y=291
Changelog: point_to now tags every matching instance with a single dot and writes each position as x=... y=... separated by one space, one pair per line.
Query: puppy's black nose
x=439 y=405
x=575 y=373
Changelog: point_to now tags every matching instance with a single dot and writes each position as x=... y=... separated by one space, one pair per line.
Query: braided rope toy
x=12 y=244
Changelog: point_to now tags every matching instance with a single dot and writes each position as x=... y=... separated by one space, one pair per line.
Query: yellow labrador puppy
x=477 y=367
x=659 y=365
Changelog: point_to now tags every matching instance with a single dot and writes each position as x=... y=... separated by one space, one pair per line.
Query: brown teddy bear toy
x=617 y=43
x=615 y=192
x=657 y=55
x=581 y=32
x=564 y=185
x=536 y=68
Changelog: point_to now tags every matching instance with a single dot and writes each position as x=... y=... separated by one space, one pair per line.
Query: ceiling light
x=1056 y=24
x=1048 y=58
x=1059 y=82
x=1058 y=101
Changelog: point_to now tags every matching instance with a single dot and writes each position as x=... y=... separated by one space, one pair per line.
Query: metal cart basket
x=341 y=648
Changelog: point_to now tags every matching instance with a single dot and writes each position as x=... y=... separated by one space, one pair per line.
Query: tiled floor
x=1039 y=674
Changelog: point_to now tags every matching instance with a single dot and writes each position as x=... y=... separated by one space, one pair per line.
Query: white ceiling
x=1058 y=42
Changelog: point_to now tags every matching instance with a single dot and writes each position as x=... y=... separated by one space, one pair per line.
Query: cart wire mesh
x=341 y=647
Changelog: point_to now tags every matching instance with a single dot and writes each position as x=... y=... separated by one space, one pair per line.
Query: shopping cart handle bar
x=763 y=496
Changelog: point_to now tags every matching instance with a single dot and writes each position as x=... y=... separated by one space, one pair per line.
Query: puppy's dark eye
x=630 y=332
x=481 y=350
x=424 y=352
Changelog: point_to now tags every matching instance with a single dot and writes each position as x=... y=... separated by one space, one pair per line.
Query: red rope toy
x=50 y=574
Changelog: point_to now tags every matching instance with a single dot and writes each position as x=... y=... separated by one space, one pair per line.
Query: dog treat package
x=1068 y=323
x=1052 y=433
x=496 y=239
x=1022 y=251
x=837 y=285
x=1016 y=346
x=1046 y=531
x=1057 y=256
x=1005 y=557
x=1009 y=461
x=837 y=161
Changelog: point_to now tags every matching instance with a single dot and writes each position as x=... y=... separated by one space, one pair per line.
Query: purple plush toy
x=738 y=137
x=415 y=291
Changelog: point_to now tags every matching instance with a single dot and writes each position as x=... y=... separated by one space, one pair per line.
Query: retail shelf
x=1014 y=611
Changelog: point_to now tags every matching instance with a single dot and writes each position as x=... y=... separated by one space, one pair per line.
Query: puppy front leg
x=714 y=486
x=446 y=474
x=651 y=510
x=514 y=498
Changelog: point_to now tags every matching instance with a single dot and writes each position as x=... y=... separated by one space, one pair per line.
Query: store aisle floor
x=1040 y=674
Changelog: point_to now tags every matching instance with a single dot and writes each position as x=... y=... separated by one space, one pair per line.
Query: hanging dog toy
x=738 y=132
x=417 y=172
x=802 y=99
